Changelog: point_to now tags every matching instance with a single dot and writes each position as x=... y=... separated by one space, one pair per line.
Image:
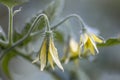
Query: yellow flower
x=89 y=41
x=73 y=50
x=48 y=52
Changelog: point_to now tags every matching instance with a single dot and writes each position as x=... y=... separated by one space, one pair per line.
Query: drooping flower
x=73 y=50
x=48 y=52
x=89 y=41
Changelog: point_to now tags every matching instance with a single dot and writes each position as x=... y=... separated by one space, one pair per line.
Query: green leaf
x=110 y=42
x=5 y=63
x=12 y=3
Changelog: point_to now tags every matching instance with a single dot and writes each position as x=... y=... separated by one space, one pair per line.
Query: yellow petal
x=97 y=38
x=84 y=38
x=67 y=60
x=93 y=46
x=90 y=46
x=54 y=54
x=73 y=46
x=37 y=59
x=78 y=50
x=43 y=55
x=51 y=61
x=89 y=43
x=85 y=52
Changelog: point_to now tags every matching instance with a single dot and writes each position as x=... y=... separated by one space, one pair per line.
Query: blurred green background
x=103 y=15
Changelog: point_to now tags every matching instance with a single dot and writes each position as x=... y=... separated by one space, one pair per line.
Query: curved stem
x=27 y=35
x=67 y=18
x=47 y=22
x=32 y=27
x=3 y=76
x=10 y=29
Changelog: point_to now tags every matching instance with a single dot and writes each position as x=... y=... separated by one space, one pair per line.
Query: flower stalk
x=10 y=29
x=48 y=51
x=82 y=24
x=25 y=37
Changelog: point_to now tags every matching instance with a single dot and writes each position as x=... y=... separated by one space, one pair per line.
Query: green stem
x=3 y=53
x=47 y=22
x=69 y=17
x=3 y=43
x=10 y=29
x=64 y=20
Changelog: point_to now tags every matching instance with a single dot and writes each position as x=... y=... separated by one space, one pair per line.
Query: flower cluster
x=89 y=41
x=48 y=52
x=71 y=50
x=87 y=45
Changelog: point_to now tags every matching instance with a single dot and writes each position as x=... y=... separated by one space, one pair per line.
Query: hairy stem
x=3 y=53
x=82 y=24
x=10 y=29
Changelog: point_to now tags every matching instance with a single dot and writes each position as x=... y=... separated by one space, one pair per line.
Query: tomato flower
x=48 y=52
